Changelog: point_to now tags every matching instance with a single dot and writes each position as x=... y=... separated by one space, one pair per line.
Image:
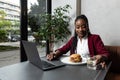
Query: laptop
x=34 y=57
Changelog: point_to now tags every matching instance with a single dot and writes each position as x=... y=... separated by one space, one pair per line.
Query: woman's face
x=81 y=28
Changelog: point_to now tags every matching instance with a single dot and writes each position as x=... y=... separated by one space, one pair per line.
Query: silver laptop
x=34 y=57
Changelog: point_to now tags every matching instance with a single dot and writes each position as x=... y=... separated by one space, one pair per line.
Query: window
x=9 y=35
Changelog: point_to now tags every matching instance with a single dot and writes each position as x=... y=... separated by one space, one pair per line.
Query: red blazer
x=95 y=46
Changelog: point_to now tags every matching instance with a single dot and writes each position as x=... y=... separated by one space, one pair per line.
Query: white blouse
x=82 y=47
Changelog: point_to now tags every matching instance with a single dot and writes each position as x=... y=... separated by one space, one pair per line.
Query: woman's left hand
x=100 y=61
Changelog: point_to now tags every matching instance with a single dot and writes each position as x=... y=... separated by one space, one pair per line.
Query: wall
x=103 y=18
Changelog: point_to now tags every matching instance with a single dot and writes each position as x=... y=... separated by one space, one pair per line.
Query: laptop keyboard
x=46 y=64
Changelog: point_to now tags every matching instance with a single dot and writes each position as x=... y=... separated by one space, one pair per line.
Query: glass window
x=9 y=32
x=35 y=9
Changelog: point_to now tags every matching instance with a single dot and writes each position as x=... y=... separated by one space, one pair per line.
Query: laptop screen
x=34 y=58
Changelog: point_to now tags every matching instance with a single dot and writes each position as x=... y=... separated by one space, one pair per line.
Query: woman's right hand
x=53 y=55
x=50 y=56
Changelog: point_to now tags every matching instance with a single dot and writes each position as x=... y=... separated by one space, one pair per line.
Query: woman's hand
x=53 y=55
x=100 y=61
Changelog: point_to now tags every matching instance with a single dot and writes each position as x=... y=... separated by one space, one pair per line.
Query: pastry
x=75 y=58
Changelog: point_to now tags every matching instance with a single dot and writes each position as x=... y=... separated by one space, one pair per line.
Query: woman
x=83 y=43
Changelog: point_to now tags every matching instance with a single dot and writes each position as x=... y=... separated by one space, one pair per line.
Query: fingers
x=100 y=62
x=50 y=57
x=101 y=65
x=98 y=59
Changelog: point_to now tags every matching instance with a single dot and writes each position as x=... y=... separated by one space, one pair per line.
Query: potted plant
x=54 y=27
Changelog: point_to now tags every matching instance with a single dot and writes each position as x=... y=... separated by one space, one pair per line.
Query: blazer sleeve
x=65 y=48
x=99 y=46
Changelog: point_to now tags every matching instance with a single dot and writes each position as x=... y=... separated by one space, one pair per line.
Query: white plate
x=66 y=60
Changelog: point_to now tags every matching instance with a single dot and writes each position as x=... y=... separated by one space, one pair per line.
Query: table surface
x=27 y=71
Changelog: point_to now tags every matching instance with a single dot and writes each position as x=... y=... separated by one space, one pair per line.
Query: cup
x=91 y=63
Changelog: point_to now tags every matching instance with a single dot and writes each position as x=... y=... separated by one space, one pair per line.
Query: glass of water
x=91 y=63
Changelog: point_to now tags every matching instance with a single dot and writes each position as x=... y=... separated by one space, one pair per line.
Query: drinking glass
x=91 y=63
